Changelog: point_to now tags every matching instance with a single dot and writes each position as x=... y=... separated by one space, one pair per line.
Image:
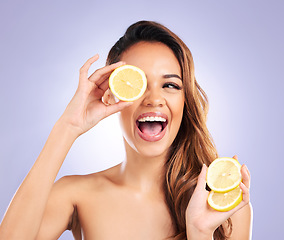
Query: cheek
x=177 y=105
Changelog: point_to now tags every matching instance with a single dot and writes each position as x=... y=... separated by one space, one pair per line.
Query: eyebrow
x=172 y=76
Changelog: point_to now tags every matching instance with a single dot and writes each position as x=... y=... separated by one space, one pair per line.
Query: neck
x=143 y=173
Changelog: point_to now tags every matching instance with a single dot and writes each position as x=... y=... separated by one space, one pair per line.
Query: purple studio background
x=238 y=51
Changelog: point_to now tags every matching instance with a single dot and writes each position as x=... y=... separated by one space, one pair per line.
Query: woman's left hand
x=201 y=219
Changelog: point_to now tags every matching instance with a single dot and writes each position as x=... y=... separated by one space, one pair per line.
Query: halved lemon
x=128 y=83
x=225 y=201
x=224 y=174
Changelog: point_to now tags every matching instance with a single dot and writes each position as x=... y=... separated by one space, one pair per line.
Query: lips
x=152 y=126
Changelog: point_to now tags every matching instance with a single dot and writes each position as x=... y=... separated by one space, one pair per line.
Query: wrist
x=65 y=132
x=194 y=233
x=67 y=128
x=191 y=235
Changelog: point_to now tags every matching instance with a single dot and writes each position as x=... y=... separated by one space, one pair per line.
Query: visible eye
x=171 y=86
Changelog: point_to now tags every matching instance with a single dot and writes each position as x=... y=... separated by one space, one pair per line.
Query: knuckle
x=98 y=72
x=82 y=69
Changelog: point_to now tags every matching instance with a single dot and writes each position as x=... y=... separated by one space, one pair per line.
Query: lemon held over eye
x=128 y=83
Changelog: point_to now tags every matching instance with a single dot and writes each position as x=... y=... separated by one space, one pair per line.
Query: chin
x=153 y=152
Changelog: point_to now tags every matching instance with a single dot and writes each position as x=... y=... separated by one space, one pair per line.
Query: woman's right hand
x=86 y=108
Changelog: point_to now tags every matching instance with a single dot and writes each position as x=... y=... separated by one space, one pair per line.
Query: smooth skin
x=126 y=201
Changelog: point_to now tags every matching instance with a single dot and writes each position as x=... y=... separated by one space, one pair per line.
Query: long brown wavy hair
x=193 y=145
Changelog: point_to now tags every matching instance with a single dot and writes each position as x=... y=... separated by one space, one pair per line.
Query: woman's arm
x=23 y=217
x=28 y=207
x=242 y=224
x=60 y=211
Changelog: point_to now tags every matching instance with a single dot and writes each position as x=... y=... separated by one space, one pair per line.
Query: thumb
x=114 y=108
x=201 y=181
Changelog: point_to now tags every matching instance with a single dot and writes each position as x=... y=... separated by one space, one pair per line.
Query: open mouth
x=152 y=126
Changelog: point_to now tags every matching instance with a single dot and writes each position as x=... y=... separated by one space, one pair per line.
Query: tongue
x=150 y=128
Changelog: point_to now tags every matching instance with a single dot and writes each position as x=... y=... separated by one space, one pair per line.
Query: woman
x=158 y=192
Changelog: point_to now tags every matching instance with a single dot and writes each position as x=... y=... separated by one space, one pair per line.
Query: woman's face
x=151 y=123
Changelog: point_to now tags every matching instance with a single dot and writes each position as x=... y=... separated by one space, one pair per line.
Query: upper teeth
x=152 y=119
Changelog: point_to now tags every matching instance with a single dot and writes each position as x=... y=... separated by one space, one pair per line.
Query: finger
x=245 y=175
x=102 y=74
x=235 y=157
x=114 y=108
x=201 y=181
x=245 y=200
x=108 y=98
x=104 y=85
x=85 y=68
x=245 y=190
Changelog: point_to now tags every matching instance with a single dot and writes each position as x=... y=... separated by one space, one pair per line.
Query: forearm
x=23 y=217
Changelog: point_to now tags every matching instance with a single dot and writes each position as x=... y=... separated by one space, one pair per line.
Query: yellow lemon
x=225 y=201
x=224 y=174
x=128 y=83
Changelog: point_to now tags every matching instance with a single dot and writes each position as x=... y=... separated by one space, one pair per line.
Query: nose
x=153 y=98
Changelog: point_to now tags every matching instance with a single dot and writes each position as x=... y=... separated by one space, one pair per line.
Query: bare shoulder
x=242 y=223
x=90 y=182
x=67 y=195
